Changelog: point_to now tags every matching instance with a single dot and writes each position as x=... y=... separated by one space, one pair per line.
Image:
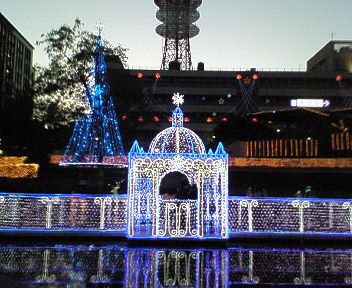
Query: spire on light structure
x=100 y=28
x=177 y=114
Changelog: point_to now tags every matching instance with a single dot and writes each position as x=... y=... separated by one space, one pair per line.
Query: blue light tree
x=96 y=137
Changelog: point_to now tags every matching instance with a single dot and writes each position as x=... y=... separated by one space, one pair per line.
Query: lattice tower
x=178 y=17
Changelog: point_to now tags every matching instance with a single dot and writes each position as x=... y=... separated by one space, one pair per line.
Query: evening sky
x=274 y=34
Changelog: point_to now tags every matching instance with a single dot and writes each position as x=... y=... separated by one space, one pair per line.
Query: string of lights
x=345 y=93
x=250 y=216
x=177 y=149
x=246 y=103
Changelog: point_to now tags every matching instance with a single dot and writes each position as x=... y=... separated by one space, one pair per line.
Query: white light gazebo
x=177 y=149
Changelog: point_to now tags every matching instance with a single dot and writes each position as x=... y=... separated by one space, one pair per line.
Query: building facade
x=15 y=76
x=335 y=56
x=212 y=97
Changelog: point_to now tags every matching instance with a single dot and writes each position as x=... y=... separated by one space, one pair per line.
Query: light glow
x=177 y=149
x=96 y=135
x=309 y=103
x=177 y=99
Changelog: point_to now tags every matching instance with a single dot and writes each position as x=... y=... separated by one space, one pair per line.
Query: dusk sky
x=265 y=34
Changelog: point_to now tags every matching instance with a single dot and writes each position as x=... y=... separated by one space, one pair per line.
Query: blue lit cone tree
x=96 y=137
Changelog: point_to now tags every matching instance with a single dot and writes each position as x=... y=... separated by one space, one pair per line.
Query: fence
x=99 y=213
x=33 y=212
x=341 y=142
x=290 y=216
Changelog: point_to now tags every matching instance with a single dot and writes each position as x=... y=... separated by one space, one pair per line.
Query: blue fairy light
x=96 y=138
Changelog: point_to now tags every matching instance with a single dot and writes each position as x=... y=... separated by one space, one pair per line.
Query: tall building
x=15 y=77
x=335 y=56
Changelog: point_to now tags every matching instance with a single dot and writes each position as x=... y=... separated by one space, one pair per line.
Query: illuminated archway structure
x=177 y=149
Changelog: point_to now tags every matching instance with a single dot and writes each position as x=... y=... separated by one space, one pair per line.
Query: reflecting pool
x=121 y=266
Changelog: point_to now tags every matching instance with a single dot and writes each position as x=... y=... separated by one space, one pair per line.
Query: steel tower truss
x=178 y=18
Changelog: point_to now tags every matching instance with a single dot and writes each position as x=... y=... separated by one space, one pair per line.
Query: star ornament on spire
x=247 y=81
x=177 y=99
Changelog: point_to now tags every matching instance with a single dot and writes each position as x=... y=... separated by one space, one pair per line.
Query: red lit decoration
x=239 y=76
x=124 y=117
x=224 y=119
x=255 y=120
x=186 y=119
x=140 y=75
x=157 y=75
x=170 y=119
x=156 y=119
x=209 y=120
x=140 y=119
x=338 y=78
x=255 y=76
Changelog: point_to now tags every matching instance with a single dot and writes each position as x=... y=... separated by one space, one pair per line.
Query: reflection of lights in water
x=137 y=267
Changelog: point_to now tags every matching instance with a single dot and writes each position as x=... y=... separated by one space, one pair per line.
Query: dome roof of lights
x=177 y=139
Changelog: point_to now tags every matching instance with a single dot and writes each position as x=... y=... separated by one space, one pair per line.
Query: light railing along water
x=246 y=216
x=60 y=212
x=290 y=216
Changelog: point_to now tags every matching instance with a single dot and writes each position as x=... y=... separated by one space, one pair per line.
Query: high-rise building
x=335 y=56
x=15 y=77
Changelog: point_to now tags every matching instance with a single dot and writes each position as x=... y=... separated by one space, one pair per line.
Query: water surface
x=88 y=265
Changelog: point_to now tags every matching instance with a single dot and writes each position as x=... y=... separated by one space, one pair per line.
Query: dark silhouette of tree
x=59 y=88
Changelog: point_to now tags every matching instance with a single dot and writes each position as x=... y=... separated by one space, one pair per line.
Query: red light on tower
x=140 y=75
x=224 y=119
x=338 y=78
x=124 y=117
x=169 y=119
x=157 y=75
x=255 y=120
x=140 y=119
x=255 y=76
x=239 y=76
x=186 y=119
x=156 y=119
x=209 y=120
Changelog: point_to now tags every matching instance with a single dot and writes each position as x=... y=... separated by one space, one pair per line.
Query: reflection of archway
x=175 y=185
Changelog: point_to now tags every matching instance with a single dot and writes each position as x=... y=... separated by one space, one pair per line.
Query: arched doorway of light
x=177 y=212
x=176 y=185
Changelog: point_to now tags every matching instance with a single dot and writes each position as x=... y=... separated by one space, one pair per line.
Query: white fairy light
x=177 y=149
x=177 y=99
